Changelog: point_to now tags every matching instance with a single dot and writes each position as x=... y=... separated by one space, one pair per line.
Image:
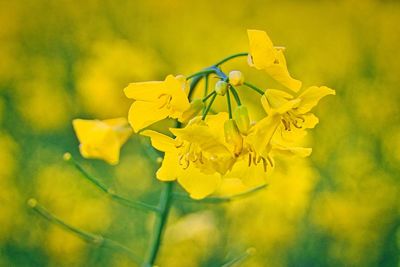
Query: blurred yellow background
x=61 y=60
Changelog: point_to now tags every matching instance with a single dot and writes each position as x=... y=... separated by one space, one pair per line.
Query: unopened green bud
x=67 y=156
x=232 y=136
x=236 y=77
x=195 y=107
x=241 y=116
x=221 y=87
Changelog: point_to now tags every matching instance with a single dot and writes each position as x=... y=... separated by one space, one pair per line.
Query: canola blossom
x=207 y=148
x=157 y=100
x=209 y=145
x=264 y=56
x=102 y=139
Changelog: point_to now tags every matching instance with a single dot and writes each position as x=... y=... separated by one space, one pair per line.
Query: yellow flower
x=259 y=144
x=102 y=139
x=295 y=112
x=157 y=100
x=264 y=56
x=197 y=157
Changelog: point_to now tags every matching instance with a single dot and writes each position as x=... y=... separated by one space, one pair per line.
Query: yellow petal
x=97 y=140
x=143 y=114
x=198 y=184
x=277 y=101
x=261 y=49
x=160 y=141
x=292 y=151
x=279 y=72
x=175 y=88
x=145 y=91
x=233 y=136
x=121 y=128
x=310 y=120
x=204 y=137
x=170 y=168
x=311 y=97
x=251 y=176
x=260 y=138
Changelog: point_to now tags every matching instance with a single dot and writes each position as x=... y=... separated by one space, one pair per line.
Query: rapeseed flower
x=157 y=100
x=264 y=56
x=102 y=139
x=197 y=157
x=294 y=113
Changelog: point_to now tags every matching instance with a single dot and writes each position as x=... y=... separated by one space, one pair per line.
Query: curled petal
x=160 y=141
x=311 y=97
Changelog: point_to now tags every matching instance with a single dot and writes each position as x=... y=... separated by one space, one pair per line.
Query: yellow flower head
x=102 y=139
x=197 y=157
x=264 y=56
x=295 y=112
x=157 y=100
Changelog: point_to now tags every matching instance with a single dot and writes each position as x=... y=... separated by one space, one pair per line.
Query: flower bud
x=195 y=107
x=236 y=77
x=232 y=136
x=221 y=87
x=241 y=116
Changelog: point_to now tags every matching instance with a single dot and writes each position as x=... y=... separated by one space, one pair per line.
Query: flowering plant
x=207 y=147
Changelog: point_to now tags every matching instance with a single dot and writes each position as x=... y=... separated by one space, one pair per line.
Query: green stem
x=244 y=54
x=88 y=237
x=205 y=85
x=255 y=88
x=235 y=95
x=208 y=96
x=221 y=199
x=209 y=106
x=228 y=99
x=161 y=220
x=200 y=73
x=122 y=200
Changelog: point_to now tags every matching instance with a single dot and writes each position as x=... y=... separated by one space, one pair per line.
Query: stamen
x=264 y=164
x=179 y=145
x=294 y=122
x=165 y=102
x=186 y=161
x=271 y=162
x=286 y=124
x=201 y=158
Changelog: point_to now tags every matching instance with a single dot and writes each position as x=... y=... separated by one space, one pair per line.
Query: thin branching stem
x=122 y=200
x=228 y=100
x=208 y=96
x=209 y=106
x=161 y=220
x=206 y=85
x=244 y=54
x=200 y=73
x=235 y=95
x=255 y=88
x=95 y=239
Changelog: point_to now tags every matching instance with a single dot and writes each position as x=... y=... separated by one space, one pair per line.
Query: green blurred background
x=61 y=60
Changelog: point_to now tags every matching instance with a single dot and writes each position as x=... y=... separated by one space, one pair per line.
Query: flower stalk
x=96 y=182
x=164 y=207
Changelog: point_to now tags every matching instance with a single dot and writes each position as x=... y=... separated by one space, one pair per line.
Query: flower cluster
x=207 y=148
